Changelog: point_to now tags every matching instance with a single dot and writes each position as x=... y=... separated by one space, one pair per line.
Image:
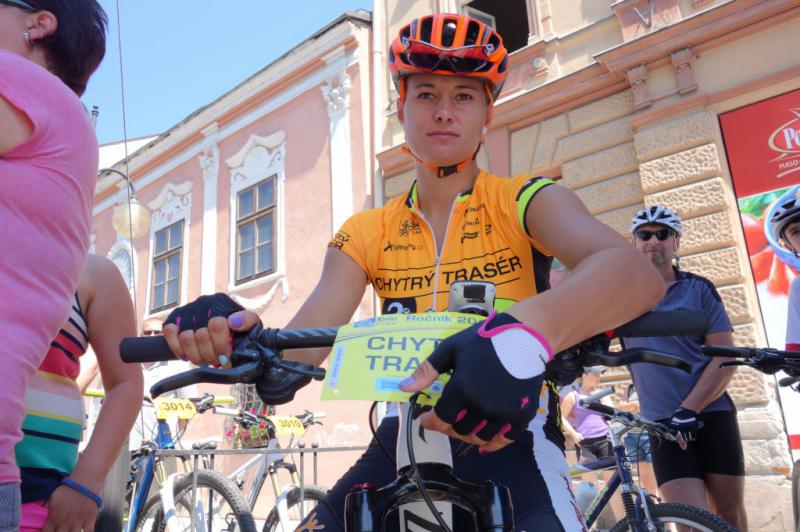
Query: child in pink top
x=48 y=167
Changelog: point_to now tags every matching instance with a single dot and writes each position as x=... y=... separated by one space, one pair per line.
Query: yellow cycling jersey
x=486 y=240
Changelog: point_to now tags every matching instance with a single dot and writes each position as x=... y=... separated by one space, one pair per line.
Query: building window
x=255 y=231
x=509 y=18
x=167 y=251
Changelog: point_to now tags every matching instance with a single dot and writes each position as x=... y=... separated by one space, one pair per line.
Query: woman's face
x=590 y=380
x=443 y=117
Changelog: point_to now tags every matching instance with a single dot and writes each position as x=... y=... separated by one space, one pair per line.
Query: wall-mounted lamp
x=130 y=220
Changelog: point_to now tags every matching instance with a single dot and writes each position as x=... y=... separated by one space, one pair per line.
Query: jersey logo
x=409 y=226
x=339 y=240
x=400 y=305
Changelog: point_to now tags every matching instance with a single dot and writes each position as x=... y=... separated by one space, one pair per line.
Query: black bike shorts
x=717 y=449
x=540 y=494
x=591 y=449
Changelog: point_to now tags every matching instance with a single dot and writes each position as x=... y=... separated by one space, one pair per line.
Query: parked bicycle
x=193 y=499
x=293 y=501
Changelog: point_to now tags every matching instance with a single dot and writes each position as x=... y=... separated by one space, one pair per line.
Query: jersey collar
x=412 y=200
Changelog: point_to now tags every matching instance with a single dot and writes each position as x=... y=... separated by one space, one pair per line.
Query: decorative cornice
x=703 y=28
x=394 y=161
x=258 y=304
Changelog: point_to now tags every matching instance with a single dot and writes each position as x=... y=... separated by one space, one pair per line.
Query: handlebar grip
x=598 y=407
x=724 y=351
x=146 y=349
x=318 y=415
x=665 y=323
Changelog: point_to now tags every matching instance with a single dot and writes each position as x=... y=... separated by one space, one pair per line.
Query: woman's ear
x=41 y=24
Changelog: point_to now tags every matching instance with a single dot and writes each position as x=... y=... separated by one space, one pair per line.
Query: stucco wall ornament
x=260 y=303
x=209 y=162
x=683 y=61
x=637 y=76
x=337 y=93
x=172 y=204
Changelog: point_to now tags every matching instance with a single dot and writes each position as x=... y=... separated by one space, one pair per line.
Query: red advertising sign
x=763 y=144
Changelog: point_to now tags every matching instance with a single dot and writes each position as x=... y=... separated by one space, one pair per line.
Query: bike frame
x=163 y=440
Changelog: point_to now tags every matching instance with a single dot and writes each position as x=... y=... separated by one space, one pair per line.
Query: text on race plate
x=371 y=357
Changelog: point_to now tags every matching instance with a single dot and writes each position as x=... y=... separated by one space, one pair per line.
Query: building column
x=336 y=93
x=209 y=162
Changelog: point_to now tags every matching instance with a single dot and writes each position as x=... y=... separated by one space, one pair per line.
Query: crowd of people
x=448 y=71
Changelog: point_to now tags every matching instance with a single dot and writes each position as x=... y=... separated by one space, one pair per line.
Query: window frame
x=252 y=218
x=165 y=256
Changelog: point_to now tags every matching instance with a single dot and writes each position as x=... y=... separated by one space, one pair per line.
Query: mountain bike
x=201 y=499
x=293 y=501
x=642 y=513
x=424 y=457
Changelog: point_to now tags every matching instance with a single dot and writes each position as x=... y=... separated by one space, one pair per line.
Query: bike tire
x=313 y=495
x=214 y=482
x=110 y=516
x=681 y=514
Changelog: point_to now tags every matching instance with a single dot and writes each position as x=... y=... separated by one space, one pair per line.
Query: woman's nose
x=442 y=113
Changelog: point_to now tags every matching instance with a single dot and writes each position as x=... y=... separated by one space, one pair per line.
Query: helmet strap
x=444 y=171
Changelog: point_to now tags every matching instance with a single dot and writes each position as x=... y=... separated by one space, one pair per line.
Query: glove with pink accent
x=497 y=374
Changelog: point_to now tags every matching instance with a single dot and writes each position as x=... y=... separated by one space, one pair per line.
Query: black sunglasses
x=19 y=3
x=149 y=332
x=645 y=235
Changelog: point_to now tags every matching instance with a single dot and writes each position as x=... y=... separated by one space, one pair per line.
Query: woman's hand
x=201 y=331
x=68 y=511
x=577 y=437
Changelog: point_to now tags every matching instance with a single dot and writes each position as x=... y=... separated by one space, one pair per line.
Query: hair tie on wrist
x=83 y=490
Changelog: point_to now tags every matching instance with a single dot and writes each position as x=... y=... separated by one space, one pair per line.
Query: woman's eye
x=425 y=95
x=464 y=97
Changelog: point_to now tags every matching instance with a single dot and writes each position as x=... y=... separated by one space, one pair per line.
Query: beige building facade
x=620 y=101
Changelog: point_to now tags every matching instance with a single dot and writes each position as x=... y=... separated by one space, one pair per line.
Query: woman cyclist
x=48 y=167
x=101 y=315
x=459 y=222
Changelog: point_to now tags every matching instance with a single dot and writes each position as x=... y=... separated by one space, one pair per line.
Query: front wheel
x=217 y=501
x=312 y=496
x=670 y=516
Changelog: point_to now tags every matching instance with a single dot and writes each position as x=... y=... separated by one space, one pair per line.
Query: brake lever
x=247 y=373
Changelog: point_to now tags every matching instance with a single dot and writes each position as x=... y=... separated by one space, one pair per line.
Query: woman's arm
x=333 y=302
x=609 y=284
x=567 y=405
x=89 y=370
x=17 y=127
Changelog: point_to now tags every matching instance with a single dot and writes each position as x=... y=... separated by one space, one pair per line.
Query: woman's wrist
x=83 y=490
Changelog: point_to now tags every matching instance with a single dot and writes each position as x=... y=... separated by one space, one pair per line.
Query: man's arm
x=714 y=379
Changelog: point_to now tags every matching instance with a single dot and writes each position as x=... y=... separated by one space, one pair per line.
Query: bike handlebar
x=256 y=359
x=629 y=418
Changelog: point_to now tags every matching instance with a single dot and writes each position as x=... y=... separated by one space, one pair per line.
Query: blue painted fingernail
x=236 y=321
x=223 y=360
x=408 y=381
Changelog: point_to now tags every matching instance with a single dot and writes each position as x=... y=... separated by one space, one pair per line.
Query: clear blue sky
x=179 y=55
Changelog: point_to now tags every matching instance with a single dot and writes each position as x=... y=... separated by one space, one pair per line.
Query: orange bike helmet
x=451 y=45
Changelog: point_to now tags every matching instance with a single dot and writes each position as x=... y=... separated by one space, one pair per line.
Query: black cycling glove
x=685 y=423
x=195 y=315
x=497 y=374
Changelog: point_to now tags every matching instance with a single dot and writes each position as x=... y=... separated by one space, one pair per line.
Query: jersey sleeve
x=715 y=309
x=521 y=192
x=351 y=239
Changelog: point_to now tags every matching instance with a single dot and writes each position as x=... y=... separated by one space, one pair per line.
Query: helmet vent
x=426 y=26
x=473 y=32
x=449 y=32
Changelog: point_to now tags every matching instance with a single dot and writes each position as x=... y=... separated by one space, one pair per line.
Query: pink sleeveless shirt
x=46 y=197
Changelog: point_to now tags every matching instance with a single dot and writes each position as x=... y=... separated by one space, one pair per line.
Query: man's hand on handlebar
x=498 y=367
x=201 y=331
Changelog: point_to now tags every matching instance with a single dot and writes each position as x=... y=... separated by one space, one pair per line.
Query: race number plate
x=287 y=426
x=371 y=357
x=174 y=407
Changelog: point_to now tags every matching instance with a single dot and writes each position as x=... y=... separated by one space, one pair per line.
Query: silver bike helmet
x=785 y=211
x=657 y=215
